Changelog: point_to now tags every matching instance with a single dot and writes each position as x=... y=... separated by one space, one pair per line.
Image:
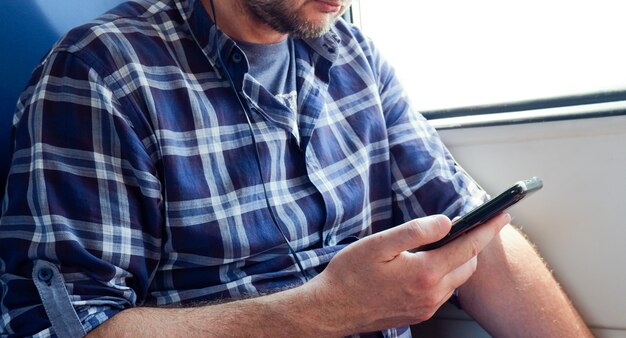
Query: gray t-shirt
x=273 y=66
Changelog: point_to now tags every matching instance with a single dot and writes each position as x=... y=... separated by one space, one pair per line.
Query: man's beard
x=283 y=18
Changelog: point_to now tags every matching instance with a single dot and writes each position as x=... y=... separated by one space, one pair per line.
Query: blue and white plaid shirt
x=134 y=180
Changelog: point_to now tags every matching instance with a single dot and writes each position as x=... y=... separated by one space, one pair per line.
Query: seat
x=28 y=29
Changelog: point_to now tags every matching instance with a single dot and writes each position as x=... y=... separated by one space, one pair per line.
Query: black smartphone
x=487 y=210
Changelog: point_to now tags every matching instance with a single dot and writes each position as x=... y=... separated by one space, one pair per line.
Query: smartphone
x=487 y=210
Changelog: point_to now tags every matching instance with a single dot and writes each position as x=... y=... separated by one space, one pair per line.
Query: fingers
x=460 y=275
x=461 y=250
x=417 y=232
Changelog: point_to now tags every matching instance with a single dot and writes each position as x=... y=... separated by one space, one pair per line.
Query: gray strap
x=56 y=300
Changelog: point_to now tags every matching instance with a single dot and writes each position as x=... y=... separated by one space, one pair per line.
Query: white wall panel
x=577 y=220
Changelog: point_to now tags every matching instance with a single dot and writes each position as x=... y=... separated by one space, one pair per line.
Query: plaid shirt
x=134 y=179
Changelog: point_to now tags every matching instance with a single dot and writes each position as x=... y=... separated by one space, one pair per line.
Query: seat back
x=28 y=29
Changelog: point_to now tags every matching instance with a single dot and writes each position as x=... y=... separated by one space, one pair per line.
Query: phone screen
x=487 y=210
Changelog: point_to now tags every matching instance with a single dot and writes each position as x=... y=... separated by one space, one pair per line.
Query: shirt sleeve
x=426 y=179
x=80 y=232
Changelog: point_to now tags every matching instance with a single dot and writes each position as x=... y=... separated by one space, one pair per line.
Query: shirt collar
x=327 y=45
x=204 y=32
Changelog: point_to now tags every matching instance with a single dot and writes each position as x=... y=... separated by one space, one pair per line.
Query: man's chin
x=314 y=28
x=309 y=33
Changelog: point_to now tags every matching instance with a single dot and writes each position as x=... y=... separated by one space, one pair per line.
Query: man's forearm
x=513 y=294
x=291 y=313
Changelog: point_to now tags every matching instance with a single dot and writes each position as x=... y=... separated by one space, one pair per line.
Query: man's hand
x=375 y=283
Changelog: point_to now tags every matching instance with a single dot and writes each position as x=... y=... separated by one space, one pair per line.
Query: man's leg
x=513 y=294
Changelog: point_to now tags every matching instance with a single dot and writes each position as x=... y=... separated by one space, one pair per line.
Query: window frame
x=559 y=108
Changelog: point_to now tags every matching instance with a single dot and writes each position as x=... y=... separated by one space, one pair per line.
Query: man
x=142 y=202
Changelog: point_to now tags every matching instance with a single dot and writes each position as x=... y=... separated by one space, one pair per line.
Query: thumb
x=410 y=235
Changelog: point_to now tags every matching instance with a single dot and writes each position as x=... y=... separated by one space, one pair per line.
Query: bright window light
x=466 y=53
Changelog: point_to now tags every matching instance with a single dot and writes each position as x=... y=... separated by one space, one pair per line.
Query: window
x=532 y=59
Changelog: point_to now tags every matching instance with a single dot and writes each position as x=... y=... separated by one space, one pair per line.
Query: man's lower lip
x=327 y=7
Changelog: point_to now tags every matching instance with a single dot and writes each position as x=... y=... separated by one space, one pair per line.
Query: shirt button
x=237 y=57
x=45 y=275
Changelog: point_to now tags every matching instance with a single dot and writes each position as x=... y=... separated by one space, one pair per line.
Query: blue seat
x=28 y=28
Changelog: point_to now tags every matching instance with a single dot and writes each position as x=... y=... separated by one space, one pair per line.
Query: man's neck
x=234 y=20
